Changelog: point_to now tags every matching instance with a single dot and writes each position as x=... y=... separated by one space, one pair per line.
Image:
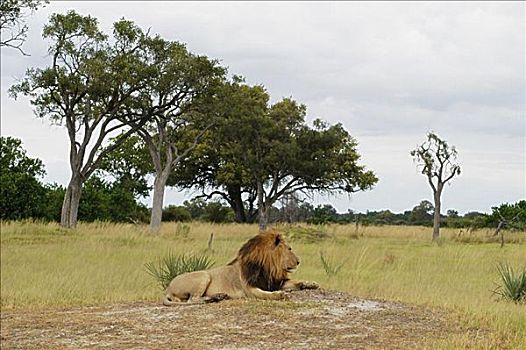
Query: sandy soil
x=308 y=320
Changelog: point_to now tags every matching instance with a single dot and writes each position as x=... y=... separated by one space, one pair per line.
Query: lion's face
x=289 y=260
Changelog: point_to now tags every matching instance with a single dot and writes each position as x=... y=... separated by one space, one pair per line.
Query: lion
x=259 y=271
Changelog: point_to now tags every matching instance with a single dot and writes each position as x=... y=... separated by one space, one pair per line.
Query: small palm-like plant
x=512 y=286
x=167 y=268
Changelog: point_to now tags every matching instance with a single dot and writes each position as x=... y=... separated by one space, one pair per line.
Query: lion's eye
x=290 y=248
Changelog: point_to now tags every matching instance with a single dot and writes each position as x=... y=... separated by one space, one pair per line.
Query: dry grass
x=100 y=263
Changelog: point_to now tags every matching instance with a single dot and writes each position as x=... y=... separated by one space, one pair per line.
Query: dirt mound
x=308 y=320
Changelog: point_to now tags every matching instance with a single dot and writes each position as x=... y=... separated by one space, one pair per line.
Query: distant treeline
x=107 y=198
x=292 y=212
x=105 y=201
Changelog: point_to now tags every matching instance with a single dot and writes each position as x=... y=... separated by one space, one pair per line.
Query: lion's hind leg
x=189 y=288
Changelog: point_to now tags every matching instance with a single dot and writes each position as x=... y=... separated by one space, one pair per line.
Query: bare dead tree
x=502 y=224
x=438 y=162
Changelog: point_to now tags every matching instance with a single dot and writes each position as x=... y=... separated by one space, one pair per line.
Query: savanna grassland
x=44 y=266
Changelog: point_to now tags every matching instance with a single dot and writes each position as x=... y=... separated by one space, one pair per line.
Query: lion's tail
x=169 y=301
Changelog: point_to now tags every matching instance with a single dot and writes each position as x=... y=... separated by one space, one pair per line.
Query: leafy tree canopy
x=271 y=145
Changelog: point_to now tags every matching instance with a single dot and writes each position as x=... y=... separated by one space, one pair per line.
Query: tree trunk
x=263 y=218
x=236 y=203
x=262 y=209
x=158 y=199
x=70 y=205
x=436 y=216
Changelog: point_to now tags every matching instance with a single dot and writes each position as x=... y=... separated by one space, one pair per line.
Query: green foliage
x=472 y=220
x=129 y=164
x=172 y=265
x=258 y=147
x=512 y=286
x=200 y=210
x=323 y=214
x=53 y=202
x=422 y=214
x=109 y=202
x=176 y=213
x=14 y=159
x=512 y=215
x=196 y=207
x=218 y=213
x=21 y=193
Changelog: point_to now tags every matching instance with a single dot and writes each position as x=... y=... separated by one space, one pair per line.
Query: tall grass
x=44 y=265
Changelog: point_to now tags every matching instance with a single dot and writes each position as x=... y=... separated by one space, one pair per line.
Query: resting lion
x=259 y=271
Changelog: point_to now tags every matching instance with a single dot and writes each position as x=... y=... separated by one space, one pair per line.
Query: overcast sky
x=390 y=72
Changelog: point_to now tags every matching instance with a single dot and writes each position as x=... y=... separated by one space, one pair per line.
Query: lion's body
x=259 y=271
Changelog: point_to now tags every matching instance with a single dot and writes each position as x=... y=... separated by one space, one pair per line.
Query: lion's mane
x=262 y=259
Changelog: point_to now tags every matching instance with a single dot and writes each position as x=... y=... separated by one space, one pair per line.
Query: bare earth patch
x=308 y=320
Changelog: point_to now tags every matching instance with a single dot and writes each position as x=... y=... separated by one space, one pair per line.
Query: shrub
x=167 y=268
x=176 y=213
x=512 y=286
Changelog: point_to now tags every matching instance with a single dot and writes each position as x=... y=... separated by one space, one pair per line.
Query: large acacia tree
x=261 y=152
x=89 y=80
x=438 y=162
x=177 y=107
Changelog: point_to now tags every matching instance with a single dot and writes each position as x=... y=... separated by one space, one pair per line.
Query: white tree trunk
x=70 y=205
x=262 y=208
x=436 y=216
x=158 y=200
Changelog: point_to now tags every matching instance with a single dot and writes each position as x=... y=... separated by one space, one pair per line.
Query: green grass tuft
x=172 y=265
x=513 y=286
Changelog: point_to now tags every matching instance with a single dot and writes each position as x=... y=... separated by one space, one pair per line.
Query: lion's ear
x=278 y=240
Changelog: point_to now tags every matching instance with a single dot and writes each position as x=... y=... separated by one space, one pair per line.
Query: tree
x=509 y=215
x=21 y=193
x=12 y=26
x=176 y=213
x=438 y=162
x=452 y=213
x=422 y=214
x=324 y=214
x=214 y=166
x=260 y=153
x=176 y=107
x=106 y=201
x=85 y=87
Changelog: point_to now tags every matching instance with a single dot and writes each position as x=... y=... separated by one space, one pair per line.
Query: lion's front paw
x=279 y=295
x=309 y=285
